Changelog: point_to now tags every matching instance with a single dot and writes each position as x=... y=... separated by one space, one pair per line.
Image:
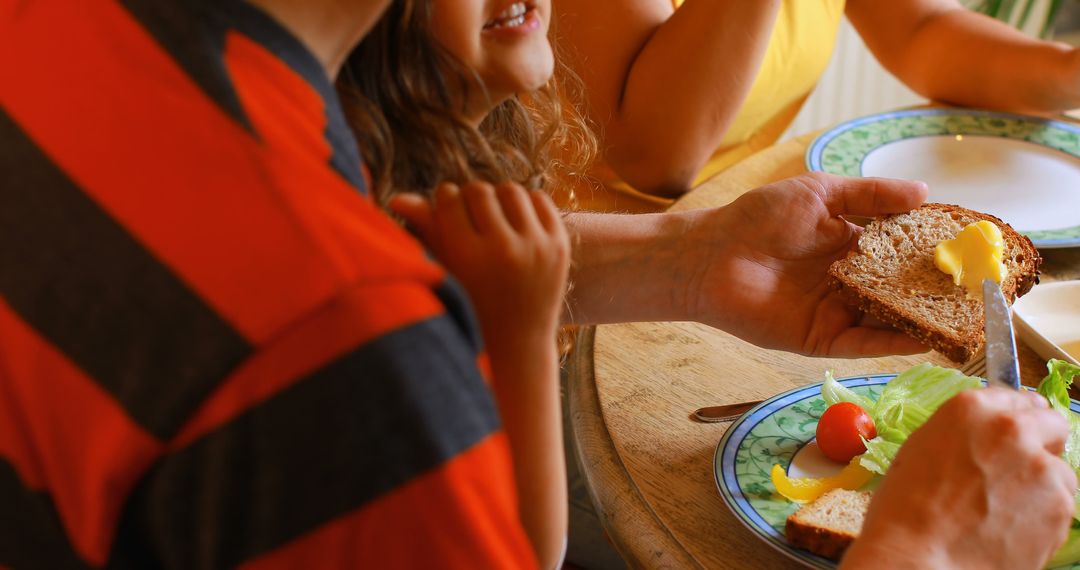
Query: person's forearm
x=965 y=58
x=624 y=268
x=675 y=99
x=525 y=379
x=970 y=59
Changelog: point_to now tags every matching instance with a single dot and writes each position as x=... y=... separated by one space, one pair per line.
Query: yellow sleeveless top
x=799 y=50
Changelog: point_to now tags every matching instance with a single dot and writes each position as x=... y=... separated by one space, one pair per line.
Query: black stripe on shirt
x=268 y=33
x=78 y=278
x=194 y=35
x=31 y=535
x=383 y=414
x=459 y=307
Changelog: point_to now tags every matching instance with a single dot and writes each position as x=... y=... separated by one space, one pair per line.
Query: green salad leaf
x=834 y=392
x=905 y=404
x=879 y=454
x=909 y=399
x=1056 y=389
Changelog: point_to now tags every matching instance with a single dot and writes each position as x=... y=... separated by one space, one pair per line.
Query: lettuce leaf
x=905 y=404
x=908 y=400
x=1056 y=389
x=879 y=455
x=834 y=392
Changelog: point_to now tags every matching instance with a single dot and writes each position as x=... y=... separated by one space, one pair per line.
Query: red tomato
x=839 y=429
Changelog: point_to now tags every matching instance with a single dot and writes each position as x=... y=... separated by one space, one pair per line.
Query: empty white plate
x=1024 y=170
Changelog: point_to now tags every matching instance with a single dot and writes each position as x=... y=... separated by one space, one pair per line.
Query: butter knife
x=1002 y=366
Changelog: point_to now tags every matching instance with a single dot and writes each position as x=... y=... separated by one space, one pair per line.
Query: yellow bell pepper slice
x=806 y=489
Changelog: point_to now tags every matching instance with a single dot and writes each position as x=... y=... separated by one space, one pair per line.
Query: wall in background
x=855 y=84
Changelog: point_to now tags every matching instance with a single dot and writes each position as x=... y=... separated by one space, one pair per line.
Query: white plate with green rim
x=779 y=430
x=1024 y=170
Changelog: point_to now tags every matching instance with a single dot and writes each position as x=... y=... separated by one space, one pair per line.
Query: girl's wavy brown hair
x=404 y=97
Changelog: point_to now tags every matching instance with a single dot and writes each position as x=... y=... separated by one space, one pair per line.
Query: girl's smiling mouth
x=518 y=16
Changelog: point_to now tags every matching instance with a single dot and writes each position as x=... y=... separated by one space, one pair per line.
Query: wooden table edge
x=612 y=490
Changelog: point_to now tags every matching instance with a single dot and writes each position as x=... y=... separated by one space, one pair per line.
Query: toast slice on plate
x=891 y=275
x=829 y=524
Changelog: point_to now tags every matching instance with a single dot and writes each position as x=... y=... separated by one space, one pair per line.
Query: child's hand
x=506 y=245
x=509 y=248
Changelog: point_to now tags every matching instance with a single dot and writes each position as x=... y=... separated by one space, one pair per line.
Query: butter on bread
x=891 y=275
x=829 y=524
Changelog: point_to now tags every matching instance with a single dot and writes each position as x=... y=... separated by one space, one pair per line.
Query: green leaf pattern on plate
x=844 y=154
x=775 y=440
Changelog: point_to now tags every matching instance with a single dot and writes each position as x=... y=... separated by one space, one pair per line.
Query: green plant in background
x=1033 y=17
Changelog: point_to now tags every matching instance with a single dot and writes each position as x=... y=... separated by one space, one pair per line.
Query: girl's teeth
x=510 y=17
x=515 y=10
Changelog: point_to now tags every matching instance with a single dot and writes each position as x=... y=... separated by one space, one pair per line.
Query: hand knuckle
x=1035 y=399
x=1055 y=422
x=1042 y=466
x=969 y=397
x=505 y=248
x=1006 y=425
x=965 y=404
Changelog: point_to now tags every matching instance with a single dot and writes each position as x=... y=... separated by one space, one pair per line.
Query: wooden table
x=633 y=386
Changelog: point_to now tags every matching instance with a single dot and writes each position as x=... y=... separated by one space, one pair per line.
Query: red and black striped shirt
x=214 y=350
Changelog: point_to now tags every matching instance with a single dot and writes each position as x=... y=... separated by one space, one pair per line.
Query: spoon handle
x=723 y=413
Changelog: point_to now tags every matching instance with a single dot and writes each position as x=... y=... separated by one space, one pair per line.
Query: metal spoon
x=728 y=412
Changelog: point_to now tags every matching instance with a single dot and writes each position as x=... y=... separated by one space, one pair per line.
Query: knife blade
x=1002 y=365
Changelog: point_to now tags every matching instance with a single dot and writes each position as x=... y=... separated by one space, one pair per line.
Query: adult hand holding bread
x=762 y=264
x=784 y=269
x=995 y=495
x=922 y=272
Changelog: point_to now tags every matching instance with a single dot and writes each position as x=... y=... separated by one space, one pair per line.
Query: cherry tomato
x=839 y=429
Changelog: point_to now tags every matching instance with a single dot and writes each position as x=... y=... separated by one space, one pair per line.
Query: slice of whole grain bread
x=891 y=275
x=829 y=524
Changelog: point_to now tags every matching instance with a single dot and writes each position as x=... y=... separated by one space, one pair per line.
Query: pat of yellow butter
x=973 y=255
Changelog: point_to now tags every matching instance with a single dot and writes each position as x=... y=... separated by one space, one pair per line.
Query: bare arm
x=664 y=85
x=510 y=251
x=951 y=54
x=525 y=374
x=756 y=268
x=614 y=249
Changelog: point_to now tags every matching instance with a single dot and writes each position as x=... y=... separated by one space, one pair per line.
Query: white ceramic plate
x=1048 y=319
x=781 y=430
x=1024 y=170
